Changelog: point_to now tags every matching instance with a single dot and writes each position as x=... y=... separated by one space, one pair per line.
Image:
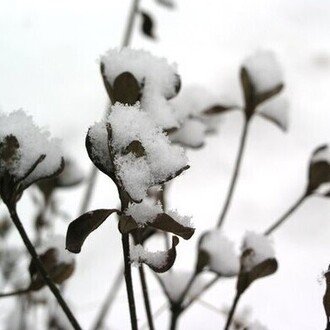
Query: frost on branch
x=138 y=153
x=156 y=79
x=319 y=172
x=174 y=284
x=257 y=260
x=27 y=155
x=217 y=253
x=159 y=261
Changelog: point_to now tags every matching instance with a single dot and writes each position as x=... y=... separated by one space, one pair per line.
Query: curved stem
x=146 y=297
x=129 y=282
x=232 y=311
x=56 y=292
x=109 y=300
x=15 y=293
x=235 y=173
x=286 y=215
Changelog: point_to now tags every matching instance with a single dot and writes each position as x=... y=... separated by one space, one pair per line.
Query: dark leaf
x=58 y=270
x=326 y=297
x=175 y=174
x=170 y=258
x=268 y=94
x=147 y=25
x=80 y=228
x=166 y=223
x=203 y=260
x=176 y=89
x=166 y=3
x=217 y=110
x=136 y=148
x=8 y=148
x=265 y=268
x=273 y=120
x=126 y=224
x=319 y=173
x=126 y=89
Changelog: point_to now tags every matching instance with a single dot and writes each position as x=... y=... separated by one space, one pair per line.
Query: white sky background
x=48 y=66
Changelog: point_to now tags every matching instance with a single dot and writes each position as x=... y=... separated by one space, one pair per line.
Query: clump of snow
x=144 y=212
x=157 y=78
x=256 y=325
x=191 y=133
x=184 y=220
x=160 y=161
x=264 y=70
x=175 y=283
x=223 y=259
x=277 y=109
x=138 y=255
x=189 y=106
x=261 y=246
x=33 y=142
x=57 y=242
x=322 y=155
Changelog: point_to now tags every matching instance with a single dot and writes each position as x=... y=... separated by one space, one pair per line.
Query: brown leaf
x=58 y=270
x=8 y=148
x=136 y=148
x=126 y=224
x=126 y=89
x=217 y=110
x=147 y=25
x=81 y=227
x=268 y=94
x=203 y=260
x=170 y=258
x=166 y=223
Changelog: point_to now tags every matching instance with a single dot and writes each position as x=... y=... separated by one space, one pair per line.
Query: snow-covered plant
x=28 y=155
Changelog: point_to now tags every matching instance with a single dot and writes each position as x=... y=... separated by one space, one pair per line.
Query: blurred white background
x=48 y=67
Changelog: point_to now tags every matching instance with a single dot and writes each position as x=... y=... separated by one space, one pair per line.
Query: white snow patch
x=184 y=220
x=256 y=325
x=261 y=246
x=264 y=70
x=223 y=259
x=139 y=254
x=33 y=142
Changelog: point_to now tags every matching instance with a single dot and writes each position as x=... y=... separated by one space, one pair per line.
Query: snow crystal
x=223 y=259
x=33 y=142
x=139 y=254
x=276 y=108
x=184 y=220
x=175 y=283
x=264 y=70
x=256 y=326
x=144 y=212
x=260 y=245
x=155 y=74
x=322 y=155
x=191 y=133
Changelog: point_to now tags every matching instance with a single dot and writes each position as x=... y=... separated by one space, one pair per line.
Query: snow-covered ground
x=49 y=52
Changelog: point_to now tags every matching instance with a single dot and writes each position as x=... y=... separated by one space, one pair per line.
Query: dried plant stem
x=129 y=282
x=105 y=308
x=235 y=173
x=232 y=311
x=130 y=23
x=56 y=292
x=15 y=293
x=286 y=215
x=176 y=311
x=146 y=297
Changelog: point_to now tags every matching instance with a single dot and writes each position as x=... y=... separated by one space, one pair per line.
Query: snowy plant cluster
x=141 y=145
